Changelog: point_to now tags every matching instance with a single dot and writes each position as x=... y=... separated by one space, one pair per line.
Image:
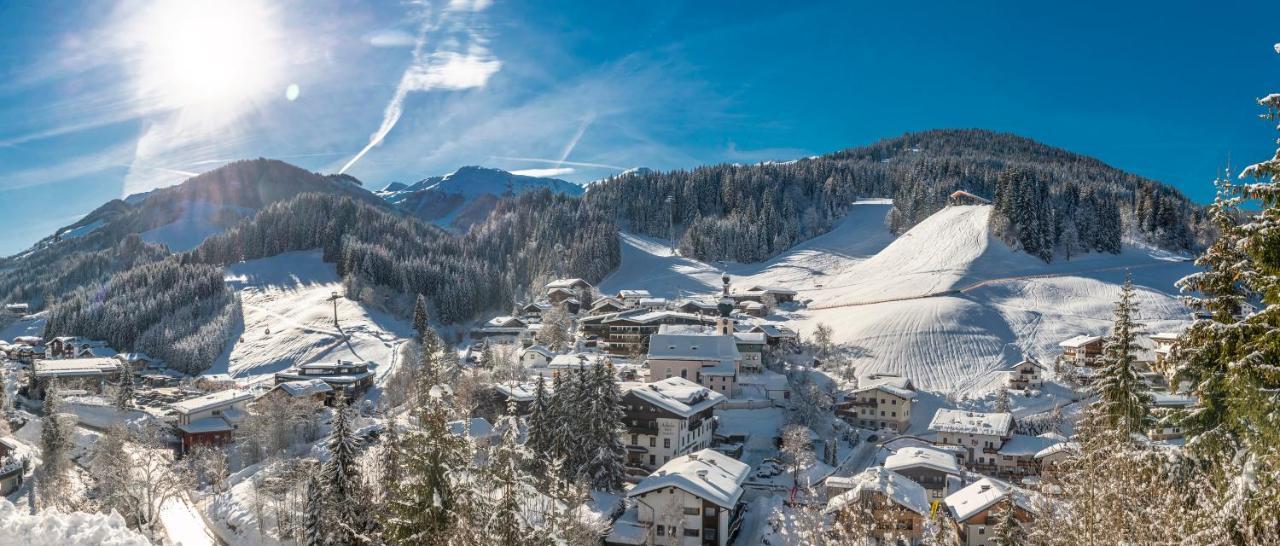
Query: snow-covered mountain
x=466 y=196
x=946 y=304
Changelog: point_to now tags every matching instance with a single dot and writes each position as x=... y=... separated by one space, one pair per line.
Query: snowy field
x=945 y=304
x=288 y=320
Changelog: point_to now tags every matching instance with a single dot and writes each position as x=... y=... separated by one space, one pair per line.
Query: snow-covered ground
x=52 y=528
x=945 y=304
x=288 y=320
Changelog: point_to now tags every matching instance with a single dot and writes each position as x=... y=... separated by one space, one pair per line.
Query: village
x=731 y=418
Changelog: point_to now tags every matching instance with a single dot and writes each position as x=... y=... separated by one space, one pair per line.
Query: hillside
x=945 y=304
x=466 y=196
x=1053 y=202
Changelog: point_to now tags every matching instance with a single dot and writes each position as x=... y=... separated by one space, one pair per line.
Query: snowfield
x=52 y=528
x=946 y=304
x=288 y=320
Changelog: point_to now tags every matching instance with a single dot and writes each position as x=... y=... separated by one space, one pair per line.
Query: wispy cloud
x=545 y=173
x=450 y=66
x=560 y=162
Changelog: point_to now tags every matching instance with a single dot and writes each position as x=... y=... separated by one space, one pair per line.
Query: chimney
x=985 y=487
x=702 y=474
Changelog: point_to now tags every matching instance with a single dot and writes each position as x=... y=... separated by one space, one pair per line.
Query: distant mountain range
x=466 y=196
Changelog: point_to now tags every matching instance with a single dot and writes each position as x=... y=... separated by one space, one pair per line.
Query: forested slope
x=1052 y=201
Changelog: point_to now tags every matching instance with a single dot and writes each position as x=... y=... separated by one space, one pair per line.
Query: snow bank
x=52 y=528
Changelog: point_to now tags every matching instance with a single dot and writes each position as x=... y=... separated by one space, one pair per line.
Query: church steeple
x=724 y=324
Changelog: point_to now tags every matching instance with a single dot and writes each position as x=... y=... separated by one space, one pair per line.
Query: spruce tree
x=1008 y=530
x=421 y=320
x=507 y=483
x=344 y=495
x=1123 y=396
x=314 y=516
x=391 y=456
x=124 y=393
x=421 y=506
x=1002 y=403
x=539 y=442
x=605 y=465
x=53 y=437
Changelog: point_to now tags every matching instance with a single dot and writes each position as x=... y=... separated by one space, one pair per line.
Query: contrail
x=559 y=162
x=573 y=142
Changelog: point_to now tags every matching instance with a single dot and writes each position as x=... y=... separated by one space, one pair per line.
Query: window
x=653 y=441
x=652 y=460
x=895 y=414
x=709 y=511
x=634 y=440
x=662 y=530
x=691 y=510
x=684 y=374
x=982 y=530
x=691 y=533
x=666 y=443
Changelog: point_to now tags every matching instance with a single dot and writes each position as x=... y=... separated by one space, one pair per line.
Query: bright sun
x=202 y=53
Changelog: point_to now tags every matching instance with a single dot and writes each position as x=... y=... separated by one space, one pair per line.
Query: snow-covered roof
x=752 y=305
x=221 y=377
x=653 y=302
x=678 y=395
x=971 y=422
x=480 y=427
x=520 y=392
x=306 y=387
x=1079 y=341
x=1029 y=362
x=1071 y=447
x=574 y=360
x=1023 y=445
x=206 y=425
x=707 y=474
x=1169 y=400
x=701 y=304
x=506 y=322
x=211 y=400
x=749 y=338
x=633 y=294
x=537 y=349
x=913 y=457
x=893 y=384
x=981 y=495
x=566 y=283
x=693 y=347
x=877 y=479
x=772 y=290
x=627 y=529
x=775 y=330
x=75 y=367
x=17 y=307
x=1165 y=336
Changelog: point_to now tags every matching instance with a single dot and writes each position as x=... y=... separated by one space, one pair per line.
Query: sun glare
x=209 y=53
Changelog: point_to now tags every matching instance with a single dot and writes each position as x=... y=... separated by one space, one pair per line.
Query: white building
x=710 y=360
x=211 y=418
x=693 y=500
x=1027 y=374
x=666 y=419
x=933 y=469
x=980 y=434
x=536 y=356
x=974 y=508
x=898 y=506
x=880 y=402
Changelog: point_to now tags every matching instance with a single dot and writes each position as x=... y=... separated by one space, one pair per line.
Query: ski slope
x=288 y=320
x=946 y=304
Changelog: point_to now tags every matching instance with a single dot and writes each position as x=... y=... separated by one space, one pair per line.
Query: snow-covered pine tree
x=124 y=392
x=390 y=459
x=608 y=467
x=558 y=423
x=539 y=441
x=314 y=516
x=54 y=439
x=421 y=320
x=507 y=484
x=1008 y=530
x=344 y=491
x=1002 y=403
x=420 y=507
x=1123 y=396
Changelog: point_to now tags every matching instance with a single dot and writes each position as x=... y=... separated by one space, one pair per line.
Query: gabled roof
x=923 y=457
x=1165 y=336
x=211 y=400
x=520 y=392
x=207 y=425
x=981 y=495
x=566 y=283
x=678 y=395
x=632 y=294
x=893 y=384
x=772 y=290
x=707 y=474
x=574 y=360
x=877 y=479
x=1069 y=447
x=479 y=428
x=749 y=338
x=693 y=347
x=1080 y=341
x=506 y=321
x=537 y=349
x=971 y=422
x=775 y=330
x=1031 y=362
x=1023 y=445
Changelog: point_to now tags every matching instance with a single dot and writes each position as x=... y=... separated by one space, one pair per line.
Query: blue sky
x=101 y=99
